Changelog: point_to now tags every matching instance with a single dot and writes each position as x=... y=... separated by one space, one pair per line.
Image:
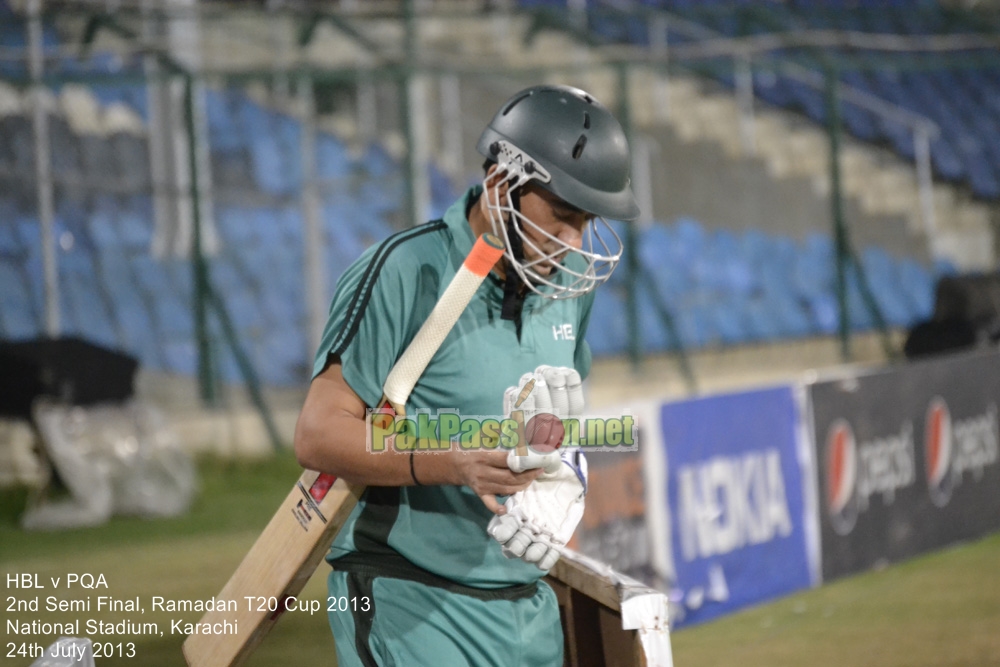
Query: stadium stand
x=964 y=152
x=723 y=287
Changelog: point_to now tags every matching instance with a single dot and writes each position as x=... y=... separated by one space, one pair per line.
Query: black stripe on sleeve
x=363 y=293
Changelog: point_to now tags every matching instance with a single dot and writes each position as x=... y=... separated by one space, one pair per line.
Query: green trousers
x=386 y=621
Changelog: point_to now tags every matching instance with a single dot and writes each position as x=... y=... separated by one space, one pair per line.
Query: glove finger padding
x=555 y=382
x=519 y=544
x=541 y=519
x=549 y=560
x=557 y=390
x=519 y=463
x=535 y=552
x=502 y=528
x=574 y=393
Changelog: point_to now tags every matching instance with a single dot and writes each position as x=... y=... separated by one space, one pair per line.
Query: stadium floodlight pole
x=922 y=134
x=43 y=169
x=837 y=208
x=313 y=265
x=630 y=241
x=844 y=249
x=206 y=369
x=413 y=103
x=745 y=102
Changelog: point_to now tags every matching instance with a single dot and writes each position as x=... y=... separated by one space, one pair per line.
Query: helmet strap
x=513 y=292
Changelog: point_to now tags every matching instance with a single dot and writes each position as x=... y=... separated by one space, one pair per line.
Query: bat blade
x=275 y=569
x=286 y=554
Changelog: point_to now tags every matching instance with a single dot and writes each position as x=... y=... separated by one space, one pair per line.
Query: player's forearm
x=337 y=444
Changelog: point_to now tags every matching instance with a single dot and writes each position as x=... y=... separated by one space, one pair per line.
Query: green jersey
x=380 y=303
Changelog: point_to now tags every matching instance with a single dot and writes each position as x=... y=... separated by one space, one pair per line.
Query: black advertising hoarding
x=613 y=527
x=908 y=460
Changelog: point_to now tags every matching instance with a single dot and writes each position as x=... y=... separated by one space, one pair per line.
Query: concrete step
x=880 y=182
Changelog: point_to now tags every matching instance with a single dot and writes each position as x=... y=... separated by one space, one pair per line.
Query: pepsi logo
x=938 y=451
x=857 y=471
x=954 y=447
x=841 y=476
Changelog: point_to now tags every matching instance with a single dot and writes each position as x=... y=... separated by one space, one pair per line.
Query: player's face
x=555 y=217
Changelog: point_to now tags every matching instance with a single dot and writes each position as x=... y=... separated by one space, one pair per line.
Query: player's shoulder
x=408 y=249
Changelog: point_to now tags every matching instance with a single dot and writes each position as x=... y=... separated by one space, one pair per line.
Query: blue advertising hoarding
x=739 y=524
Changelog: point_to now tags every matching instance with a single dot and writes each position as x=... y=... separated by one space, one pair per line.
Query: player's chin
x=548 y=266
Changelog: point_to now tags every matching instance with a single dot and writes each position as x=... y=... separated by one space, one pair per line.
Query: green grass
x=234 y=496
x=942 y=609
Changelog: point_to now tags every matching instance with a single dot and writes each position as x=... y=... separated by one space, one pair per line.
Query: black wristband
x=413 y=473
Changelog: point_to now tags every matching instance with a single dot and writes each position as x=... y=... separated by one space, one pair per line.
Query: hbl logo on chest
x=563 y=332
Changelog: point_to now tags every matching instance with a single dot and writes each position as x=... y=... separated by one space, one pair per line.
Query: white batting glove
x=541 y=519
x=555 y=390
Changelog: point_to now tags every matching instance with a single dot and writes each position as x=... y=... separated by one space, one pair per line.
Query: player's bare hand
x=488 y=475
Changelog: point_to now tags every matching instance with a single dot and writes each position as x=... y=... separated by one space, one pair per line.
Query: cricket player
x=440 y=562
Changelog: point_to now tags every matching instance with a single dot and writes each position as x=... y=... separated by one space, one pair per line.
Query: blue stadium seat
x=343 y=245
x=607 y=332
x=730 y=322
x=103 y=231
x=771 y=88
x=235 y=225
x=173 y=317
x=9 y=242
x=669 y=268
x=982 y=176
x=136 y=324
x=695 y=325
x=859 y=122
x=286 y=361
x=946 y=162
x=180 y=356
x=245 y=310
x=268 y=172
x=17 y=316
x=224 y=131
x=944 y=267
x=151 y=276
x=117 y=276
x=130 y=162
x=809 y=100
x=65 y=149
x=443 y=191
x=291 y=222
x=377 y=161
x=333 y=160
x=919 y=285
x=279 y=310
x=901 y=138
x=136 y=230
x=180 y=275
x=792 y=316
x=289 y=137
x=653 y=334
x=267 y=223
x=761 y=319
x=91 y=313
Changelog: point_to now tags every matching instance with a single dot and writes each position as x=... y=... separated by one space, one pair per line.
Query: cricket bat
x=292 y=544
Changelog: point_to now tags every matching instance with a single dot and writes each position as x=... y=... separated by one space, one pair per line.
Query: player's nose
x=571 y=235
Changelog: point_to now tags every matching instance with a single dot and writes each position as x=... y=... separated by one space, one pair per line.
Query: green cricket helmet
x=565 y=141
